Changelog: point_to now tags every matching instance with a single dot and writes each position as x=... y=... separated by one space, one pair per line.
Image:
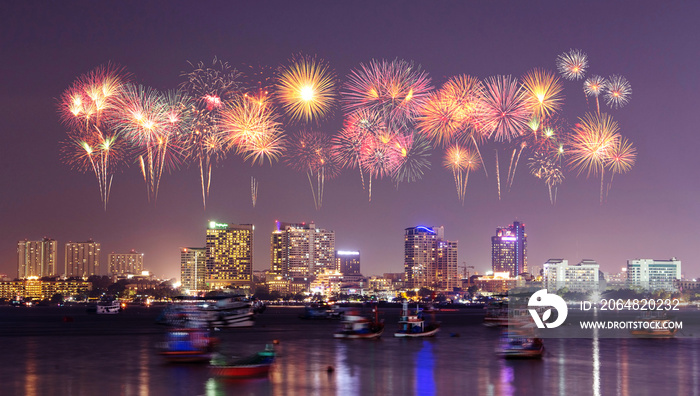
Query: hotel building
x=193 y=269
x=301 y=250
x=652 y=275
x=429 y=260
x=509 y=249
x=126 y=263
x=583 y=277
x=37 y=258
x=347 y=262
x=229 y=255
x=82 y=259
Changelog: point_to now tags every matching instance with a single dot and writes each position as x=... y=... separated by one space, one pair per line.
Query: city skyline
x=52 y=45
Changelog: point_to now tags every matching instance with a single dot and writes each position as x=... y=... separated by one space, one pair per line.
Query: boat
x=257 y=365
x=515 y=345
x=227 y=312
x=108 y=306
x=323 y=311
x=187 y=345
x=412 y=324
x=654 y=324
x=355 y=326
x=496 y=315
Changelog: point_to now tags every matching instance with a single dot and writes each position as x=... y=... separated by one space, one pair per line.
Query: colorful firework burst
x=461 y=161
x=397 y=90
x=306 y=89
x=412 y=153
x=617 y=91
x=572 y=65
x=548 y=169
x=506 y=112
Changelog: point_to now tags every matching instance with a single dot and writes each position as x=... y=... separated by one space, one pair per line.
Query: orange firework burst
x=461 y=161
x=451 y=110
x=592 y=142
x=307 y=89
x=543 y=92
x=251 y=127
x=621 y=157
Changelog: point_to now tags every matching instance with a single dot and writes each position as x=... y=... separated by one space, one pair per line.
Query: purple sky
x=649 y=213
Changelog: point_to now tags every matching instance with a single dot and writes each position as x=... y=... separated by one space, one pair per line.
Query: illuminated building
x=33 y=288
x=301 y=250
x=497 y=283
x=229 y=255
x=347 y=262
x=37 y=258
x=126 y=263
x=509 y=249
x=429 y=260
x=193 y=268
x=82 y=258
x=583 y=277
x=653 y=274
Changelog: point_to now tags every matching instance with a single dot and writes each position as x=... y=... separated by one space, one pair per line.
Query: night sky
x=651 y=212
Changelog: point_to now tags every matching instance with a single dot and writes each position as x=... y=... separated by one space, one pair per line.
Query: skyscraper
x=193 y=268
x=229 y=255
x=429 y=259
x=301 y=250
x=509 y=249
x=126 y=263
x=653 y=274
x=82 y=258
x=347 y=262
x=36 y=258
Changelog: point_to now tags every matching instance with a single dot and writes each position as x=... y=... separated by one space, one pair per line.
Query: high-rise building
x=654 y=274
x=37 y=258
x=229 y=255
x=429 y=260
x=583 y=277
x=301 y=250
x=193 y=268
x=82 y=258
x=126 y=263
x=509 y=249
x=347 y=262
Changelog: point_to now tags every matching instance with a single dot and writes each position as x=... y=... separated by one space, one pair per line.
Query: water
x=115 y=355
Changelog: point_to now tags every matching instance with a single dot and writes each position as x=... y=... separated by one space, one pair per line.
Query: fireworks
x=621 y=157
x=591 y=143
x=397 y=89
x=549 y=170
x=617 y=91
x=506 y=112
x=412 y=152
x=461 y=161
x=312 y=152
x=594 y=86
x=251 y=128
x=212 y=89
x=543 y=92
x=572 y=65
x=307 y=89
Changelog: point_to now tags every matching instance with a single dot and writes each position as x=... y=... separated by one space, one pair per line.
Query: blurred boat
x=226 y=312
x=517 y=345
x=496 y=315
x=655 y=324
x=321 y=311
x=187 y=345
x=412 y=324
x=108 y=306
x=355 y=326
x=257 y=365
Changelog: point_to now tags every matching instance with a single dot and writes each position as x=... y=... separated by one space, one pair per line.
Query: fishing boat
x=515 y=345
x=257 y=365
x=654 y=324
x=229 y=312
x=412 y=324
x=323 y=311
x=356 y=326
x=187 y=345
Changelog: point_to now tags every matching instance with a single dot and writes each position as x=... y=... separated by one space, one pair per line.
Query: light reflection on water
x=124 y=362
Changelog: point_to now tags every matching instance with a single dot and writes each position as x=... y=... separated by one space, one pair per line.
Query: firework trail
x=594 y=86
x=505 y=113
x=591 y=144
x=253 y=190
x=617 y=91
x=312 y=152
x=461 y=161
x=306 y=89
x=549 y=170
x=92 y=145
x=621 y=159
x=212 y=87
x=572 y=65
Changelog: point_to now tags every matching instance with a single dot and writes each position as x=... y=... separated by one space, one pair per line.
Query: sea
x=66 y=351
